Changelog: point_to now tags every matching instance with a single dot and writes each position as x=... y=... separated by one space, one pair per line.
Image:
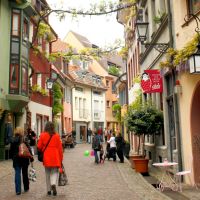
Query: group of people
x=114 y=145
x=52 y=158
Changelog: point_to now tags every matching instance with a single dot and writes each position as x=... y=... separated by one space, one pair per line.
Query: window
x=24 y=80
x=108 y=104
x=76 y=102
x=25 y=30
x=107 y=83
x=16 y=23
x=15 y=47
x=14 y=76
x=79 y=89
x=31 y=32
x=96 y=93
x=193 y=6
x=39 y=80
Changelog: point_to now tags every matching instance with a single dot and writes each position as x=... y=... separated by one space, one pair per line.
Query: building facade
x=100 y=67
x=88 y=97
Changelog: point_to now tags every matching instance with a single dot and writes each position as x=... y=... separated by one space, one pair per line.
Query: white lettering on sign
x=156 y=86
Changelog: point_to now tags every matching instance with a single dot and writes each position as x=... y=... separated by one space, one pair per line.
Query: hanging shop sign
x=151 y=81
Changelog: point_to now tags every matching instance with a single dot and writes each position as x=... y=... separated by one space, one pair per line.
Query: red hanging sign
x=151 y=81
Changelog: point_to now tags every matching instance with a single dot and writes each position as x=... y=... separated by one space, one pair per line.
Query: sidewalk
x=189 y=192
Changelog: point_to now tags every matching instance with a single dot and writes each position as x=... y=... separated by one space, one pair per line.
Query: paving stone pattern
x=87 y=180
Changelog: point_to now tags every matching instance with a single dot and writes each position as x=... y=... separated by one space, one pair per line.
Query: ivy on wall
x=176 y=57
x=57 y=100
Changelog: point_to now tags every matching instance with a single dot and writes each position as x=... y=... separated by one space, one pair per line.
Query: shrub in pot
x=142 y=120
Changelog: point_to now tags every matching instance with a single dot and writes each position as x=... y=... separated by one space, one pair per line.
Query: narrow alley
x=87 y=181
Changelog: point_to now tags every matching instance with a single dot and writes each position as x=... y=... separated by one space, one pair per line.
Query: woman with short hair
x=53 y=155
x=20 y=164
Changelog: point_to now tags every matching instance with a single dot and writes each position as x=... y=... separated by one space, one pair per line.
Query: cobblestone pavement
x=87 y=181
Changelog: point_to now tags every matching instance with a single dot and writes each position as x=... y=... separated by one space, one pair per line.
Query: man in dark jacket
x=120 y=146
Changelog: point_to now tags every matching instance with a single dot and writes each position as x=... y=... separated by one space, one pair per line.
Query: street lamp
x=51 y=80
x=142 y=30
x=194 y=60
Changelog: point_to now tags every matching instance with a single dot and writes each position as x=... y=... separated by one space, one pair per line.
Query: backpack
x=96 y=145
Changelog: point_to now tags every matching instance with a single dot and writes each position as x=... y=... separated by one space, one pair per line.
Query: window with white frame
x=76 y=103
x=39 y=80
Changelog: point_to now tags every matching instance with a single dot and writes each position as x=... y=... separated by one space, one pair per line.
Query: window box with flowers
x=40 y=90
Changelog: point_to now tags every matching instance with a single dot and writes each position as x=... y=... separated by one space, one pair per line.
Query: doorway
x=83 y=133
x=195 y=133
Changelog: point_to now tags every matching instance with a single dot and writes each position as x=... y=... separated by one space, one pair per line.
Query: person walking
x=20 y=164
x=96 y=146
x=31 y=135
x=120 y=146
x=89 y=133
x=53 y=156
x=112 y=151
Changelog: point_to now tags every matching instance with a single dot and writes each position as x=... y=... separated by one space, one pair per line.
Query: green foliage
x=117 y=109
x=176 y=57
x=57 y=99
x=158 y=18
x=123 y=53
x=37 y=88
x=113 y=70
x=144 y=119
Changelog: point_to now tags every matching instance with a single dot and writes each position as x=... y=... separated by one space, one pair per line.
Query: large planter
x=132 y=158
x=141 y=165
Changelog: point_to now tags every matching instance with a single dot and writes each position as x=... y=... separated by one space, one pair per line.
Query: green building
x=14 y=64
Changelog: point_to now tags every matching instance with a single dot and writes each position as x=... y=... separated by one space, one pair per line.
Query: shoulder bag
x=24 y=151
x=41 y=153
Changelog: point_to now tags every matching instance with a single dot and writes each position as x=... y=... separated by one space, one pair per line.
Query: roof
x=59 y=46
x=86 y=77
x=82 y=39
x=115 y=59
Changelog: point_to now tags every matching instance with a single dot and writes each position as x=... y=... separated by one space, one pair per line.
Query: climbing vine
x=176 y=57
x=57 y=100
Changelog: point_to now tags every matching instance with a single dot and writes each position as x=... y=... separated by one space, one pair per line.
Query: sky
x=100 y=30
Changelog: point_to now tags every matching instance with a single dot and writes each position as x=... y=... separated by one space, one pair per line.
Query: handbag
x=32 y=174
x=62 y=179
x=41 y=153
x=24 y=151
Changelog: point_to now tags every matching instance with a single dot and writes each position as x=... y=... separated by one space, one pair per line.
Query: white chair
x=179 y=176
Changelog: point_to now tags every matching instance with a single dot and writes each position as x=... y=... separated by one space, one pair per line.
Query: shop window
x=193 y=6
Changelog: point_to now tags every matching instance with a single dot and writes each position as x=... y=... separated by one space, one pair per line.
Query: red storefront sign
x=151 y=81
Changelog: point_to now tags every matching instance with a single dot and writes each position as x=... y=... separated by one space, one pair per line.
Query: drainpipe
x=176 y=113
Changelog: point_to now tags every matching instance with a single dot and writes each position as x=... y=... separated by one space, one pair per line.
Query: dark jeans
x=25 y=179
x=120 y=155
x=96 y=156
x=112 y=153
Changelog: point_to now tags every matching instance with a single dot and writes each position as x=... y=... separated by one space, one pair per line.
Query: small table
x=167 y=181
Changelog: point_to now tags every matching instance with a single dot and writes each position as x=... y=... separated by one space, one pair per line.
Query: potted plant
x=142 y=120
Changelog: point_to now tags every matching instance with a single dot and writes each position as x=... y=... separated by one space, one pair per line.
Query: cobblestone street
x=87 y=181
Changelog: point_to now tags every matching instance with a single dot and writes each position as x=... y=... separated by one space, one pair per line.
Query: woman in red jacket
x=53 y=155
